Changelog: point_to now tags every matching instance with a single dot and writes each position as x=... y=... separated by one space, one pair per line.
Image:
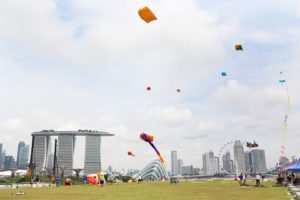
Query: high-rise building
x=227 y=163
x=214 y=166
x=20 y=146
x=3 y=154
x=206 y=161
x=23 y=154
x=65 y=152
x=259 y=161
x=248 y=161
x=9 y=163
x=239 y=157
x=50 y=160
x=1 y=159
x=92 y=163
x=40 y=151
x=179 y=165
x=174 y=166
x=187 y=170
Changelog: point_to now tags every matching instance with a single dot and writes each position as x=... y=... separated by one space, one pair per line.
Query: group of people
x=243 y=176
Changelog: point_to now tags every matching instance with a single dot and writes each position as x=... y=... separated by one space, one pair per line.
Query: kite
x=149 y=139
x=238 y=47
x=93 y=179
x=148 y=88
x=251 y=145
x=178 y=90
x=284 y=128
x=146 y=14
x=130 y=154
x=223 y=74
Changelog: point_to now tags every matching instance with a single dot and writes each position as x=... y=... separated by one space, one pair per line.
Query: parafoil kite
x=146 y=14
x=149 y=139
x=148 y=88
x=130 y=153
x=223 y=74
x=238 y=47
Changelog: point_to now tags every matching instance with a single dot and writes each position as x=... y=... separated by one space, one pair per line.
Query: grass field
x=153 y=191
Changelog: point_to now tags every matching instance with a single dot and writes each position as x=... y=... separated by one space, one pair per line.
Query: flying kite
x=238 y=47
x=149 y=139
x=146 y=14
x=178 y=90
x=223 y=74
x=148 y=88
x=130 y=154
x=251 y=145
x=282 y=81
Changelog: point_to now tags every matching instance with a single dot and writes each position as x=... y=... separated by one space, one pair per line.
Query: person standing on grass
x=57 y=181
x=257 y=178
x=241 y=178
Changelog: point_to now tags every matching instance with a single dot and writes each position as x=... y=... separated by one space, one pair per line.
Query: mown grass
x=190 y=190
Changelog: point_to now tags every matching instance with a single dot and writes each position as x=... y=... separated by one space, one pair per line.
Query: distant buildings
x=227 y=163
x=22 y=155
x=214 y=166
x=174 y=163
x=9 y=163
x=259 y=161
x=1 y=158
x=248 y=161
x=179 y=166
x=92 y=162
x=239 y=157
x=206 y=162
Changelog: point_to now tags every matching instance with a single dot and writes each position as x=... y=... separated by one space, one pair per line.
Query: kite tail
x=157 y=152
x=284 y=128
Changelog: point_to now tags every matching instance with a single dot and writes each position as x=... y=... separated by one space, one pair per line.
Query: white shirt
x=257 y=177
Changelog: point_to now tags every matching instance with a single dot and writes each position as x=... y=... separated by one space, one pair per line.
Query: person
x=102 y=178
x=244 y=178
x=37 y=179
x=140 y=179
x=257 y=178
x=241 y=178
x=57 y=181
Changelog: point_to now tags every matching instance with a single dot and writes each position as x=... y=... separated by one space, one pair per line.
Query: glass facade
x=92 y=162
x=40 y=151
x=65 y=151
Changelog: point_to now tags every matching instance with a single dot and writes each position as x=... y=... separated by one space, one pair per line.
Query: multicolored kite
x=149 y=139
x=238 y=47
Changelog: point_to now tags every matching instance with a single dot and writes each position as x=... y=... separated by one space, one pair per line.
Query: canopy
x=295 y=167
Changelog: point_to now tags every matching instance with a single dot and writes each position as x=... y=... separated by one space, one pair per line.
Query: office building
x=206 y=161
x=259 y=161
x=179 y=166
x=92 y=163
x=214 y=166
x=174 y=166
x=239 y=157
x=9 y=163
x=187 y=170
x=248 y=161
x=23 y=154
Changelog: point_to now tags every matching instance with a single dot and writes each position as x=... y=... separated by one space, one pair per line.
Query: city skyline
x=69 y=65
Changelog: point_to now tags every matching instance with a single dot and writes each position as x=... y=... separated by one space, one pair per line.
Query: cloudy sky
x=85 y=64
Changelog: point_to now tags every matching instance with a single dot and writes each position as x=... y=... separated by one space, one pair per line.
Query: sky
x=86 y=64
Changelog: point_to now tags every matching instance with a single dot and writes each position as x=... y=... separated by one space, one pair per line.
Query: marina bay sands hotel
x=41 y=144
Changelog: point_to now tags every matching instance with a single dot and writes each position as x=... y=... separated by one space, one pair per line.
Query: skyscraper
x=174 y=166
x=248 y=161
x=214 y=166
x=227 y=163
x=259 y=160
x=20 y=146
x=206 y=161
x=65 y=152
x=1 y=160
x=50 y=160
x=23 y=154
x=92 y=163
x=239 y=157
x=40 y=151
x=9 y=163
x=179 y=166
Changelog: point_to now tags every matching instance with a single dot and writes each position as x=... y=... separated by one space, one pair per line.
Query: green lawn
x=153 y=191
